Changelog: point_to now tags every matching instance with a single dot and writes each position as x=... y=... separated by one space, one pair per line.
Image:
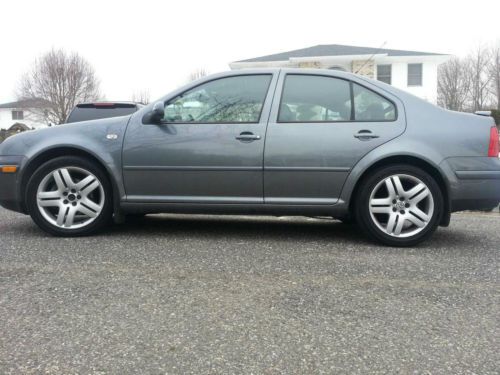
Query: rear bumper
x=474 y=182
x=10 y=184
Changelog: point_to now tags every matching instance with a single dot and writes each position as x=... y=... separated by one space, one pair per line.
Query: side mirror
x=156 y=115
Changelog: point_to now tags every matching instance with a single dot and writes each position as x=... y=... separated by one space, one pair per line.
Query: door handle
x=247 y=137
x=365 y=135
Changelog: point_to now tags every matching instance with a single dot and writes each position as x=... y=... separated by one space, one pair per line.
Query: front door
x=322 y=126
x=208 y=148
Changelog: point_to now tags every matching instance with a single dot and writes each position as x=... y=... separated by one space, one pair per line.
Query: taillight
x=494 y=148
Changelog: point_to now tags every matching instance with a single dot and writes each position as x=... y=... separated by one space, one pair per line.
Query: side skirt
x=235 y=209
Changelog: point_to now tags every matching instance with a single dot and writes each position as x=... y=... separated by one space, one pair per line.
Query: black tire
x=103 y=219
x=362 y=206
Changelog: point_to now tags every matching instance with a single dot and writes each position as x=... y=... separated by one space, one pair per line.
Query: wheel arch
x=34 y=163
x=416 y=162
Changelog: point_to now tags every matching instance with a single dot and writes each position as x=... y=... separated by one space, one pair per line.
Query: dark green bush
x=495 y=113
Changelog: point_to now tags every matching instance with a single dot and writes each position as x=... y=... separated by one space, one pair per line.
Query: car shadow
x=255 y=228
x=269 y=228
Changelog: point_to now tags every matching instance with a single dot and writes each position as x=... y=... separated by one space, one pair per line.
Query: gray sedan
x=274 y=141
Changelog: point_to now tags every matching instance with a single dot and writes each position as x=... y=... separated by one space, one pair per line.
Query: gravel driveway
x=225 y=295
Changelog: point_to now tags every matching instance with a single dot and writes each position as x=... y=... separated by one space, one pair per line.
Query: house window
x=17 y=115
x=414 y=74
x=384 y=73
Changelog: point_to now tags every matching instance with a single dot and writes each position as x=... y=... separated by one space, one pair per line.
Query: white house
x=415 y=72
x=21 y=112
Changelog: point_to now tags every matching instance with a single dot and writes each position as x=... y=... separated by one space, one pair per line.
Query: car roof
x=123 y=104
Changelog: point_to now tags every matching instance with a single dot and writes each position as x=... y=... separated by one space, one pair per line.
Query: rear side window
x=315 y=99
x=309 y=98
x=94 y=112
x=370 y=106
x=236 y=99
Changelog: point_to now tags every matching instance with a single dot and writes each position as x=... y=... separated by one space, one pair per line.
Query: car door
x=320 y=127
x=208 y=148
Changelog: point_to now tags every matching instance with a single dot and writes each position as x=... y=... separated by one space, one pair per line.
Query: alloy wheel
x=401 y=205
x=70 y=197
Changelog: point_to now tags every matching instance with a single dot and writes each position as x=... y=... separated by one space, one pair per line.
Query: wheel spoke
x=90 y=204
x=87 y=212
x=70 y=217
x=420 y=214
x=390 y=188
x=59 y=181
x=391 y=223
x=399 y=225
x=61 y=215
x=49 y=195
x=415 y=190
x=399 y=187
x=83 y=183
x=49 y=203
x=415 y=220
x=381 y=202
x=420 y=196
x=68 y=181
x=89 y=189
x=381 y=210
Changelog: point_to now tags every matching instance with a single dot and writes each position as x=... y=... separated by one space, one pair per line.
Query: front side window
x=315 y=99
x=236 y=99
x=17 y=115
x=370 y=106
x=384 y=73
x=414 y=74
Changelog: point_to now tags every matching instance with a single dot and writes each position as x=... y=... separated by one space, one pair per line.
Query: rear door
x=208 y=149
x=320 y=127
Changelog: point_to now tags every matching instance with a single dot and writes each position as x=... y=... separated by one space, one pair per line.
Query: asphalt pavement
x=179 y=294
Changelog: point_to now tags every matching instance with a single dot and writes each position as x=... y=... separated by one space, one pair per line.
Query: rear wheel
x=399 y=205
x=69 y=196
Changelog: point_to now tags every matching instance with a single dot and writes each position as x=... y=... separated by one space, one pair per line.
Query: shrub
x=495 y=113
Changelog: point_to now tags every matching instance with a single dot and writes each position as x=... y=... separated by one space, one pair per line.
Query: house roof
x=26 y=103
x=336 y=50
x=19 y=126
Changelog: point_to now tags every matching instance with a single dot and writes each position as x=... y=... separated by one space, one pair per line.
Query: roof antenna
x=371 y=57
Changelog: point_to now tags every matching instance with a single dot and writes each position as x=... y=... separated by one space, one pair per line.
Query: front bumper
x=10 y=184
x=474 y=182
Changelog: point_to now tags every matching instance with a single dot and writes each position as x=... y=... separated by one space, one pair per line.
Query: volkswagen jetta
x=277 y=141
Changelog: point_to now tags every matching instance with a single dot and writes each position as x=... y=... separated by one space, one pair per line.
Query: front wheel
x=399 y=205
x=69 y=196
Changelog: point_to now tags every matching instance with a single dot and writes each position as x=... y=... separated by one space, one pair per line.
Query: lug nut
x=407 y=205
x=80 y=197
x=74 y=203
x=66 y=201
x=394 y=209
x=402 y=199
x=394 y=201
x=402 y=212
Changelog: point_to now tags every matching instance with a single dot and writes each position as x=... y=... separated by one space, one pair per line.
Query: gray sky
x=154 y=45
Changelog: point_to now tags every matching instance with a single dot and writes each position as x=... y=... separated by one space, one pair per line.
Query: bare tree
x=142 y=96
x=494 y=73
x=454 y=85
x=197 y=74
x=477 y=63
x=60 y=80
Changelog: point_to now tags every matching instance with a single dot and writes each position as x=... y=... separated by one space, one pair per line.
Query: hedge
x=495 y=113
